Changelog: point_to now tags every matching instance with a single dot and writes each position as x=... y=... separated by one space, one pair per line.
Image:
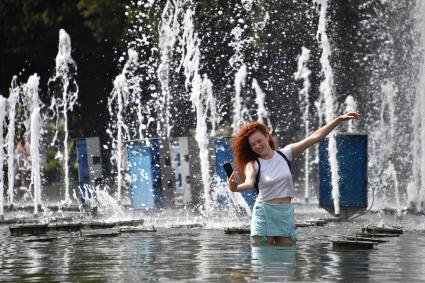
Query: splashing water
x=2 y=122
x=416 y=194
x=168 y=31
x=239 y=44
x=388 y=122
x=108 y=206
x=201 y=136
x=247 y=4
x=120 y=88
x=12 y=100
x=262 y=113
x=65 y=67
x=199 y=90
x=238 y=109
x=135 y=113
x=211 y=103
x=31 y=90
x=262 y=24
x=117 y=106
x=350 y=106
x=303 y=73
x=327 y=92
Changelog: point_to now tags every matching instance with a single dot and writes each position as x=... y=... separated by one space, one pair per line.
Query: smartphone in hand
x=228 y=169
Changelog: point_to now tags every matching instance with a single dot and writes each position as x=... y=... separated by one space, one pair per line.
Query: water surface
x=207 y=254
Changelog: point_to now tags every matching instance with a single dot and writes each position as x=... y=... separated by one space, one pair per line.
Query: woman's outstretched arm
x=299 y=147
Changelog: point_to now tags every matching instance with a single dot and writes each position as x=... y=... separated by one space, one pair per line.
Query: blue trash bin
x=352 y=168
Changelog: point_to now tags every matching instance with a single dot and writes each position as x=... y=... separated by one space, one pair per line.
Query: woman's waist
x=281 y=200
x=276 y=196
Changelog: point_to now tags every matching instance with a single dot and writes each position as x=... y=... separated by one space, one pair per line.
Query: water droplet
x=247 y=4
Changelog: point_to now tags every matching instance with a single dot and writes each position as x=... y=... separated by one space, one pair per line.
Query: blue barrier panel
x=83 y=169
x=83 y=165
x=352 y=163
x=223 y=154
x=140 y=170
x=156 y=173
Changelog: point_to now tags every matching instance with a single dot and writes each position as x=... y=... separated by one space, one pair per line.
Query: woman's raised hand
x=350 y=116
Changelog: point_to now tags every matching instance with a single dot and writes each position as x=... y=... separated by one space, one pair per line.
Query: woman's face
x=259 y=143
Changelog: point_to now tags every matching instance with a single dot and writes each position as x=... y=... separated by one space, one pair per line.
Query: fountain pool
x=181 y=254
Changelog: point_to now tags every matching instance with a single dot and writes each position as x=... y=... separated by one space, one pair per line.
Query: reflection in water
x=331 y=262
x=411 y=254
x=350 y=265
x=209 y=255
x=274 y=262
x=141 y=251
x=66 y=258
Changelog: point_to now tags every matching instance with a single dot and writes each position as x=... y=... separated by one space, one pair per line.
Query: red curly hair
x=242 y=151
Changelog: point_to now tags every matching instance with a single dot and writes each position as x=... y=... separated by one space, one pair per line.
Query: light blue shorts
x=269 y=219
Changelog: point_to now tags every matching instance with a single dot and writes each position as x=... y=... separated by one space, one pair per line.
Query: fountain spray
x=168 y=31
x=239 y=43
x=201 y=89
x=65 y=69
x=12 y=100
x=262 y=113
x=327 y=92
x=238 y=110
x=201 y=136
x=118 y=102
x=211 y=103
x=31 y=92
x=416 y=194
x=350 y=106
x=303 y=73
x=120 y=85
x=2 y=122
x=388 y=122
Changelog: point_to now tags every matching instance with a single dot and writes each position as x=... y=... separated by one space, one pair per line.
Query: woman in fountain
x=260 y=165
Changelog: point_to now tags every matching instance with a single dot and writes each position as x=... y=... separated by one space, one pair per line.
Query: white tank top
x=275 y=178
